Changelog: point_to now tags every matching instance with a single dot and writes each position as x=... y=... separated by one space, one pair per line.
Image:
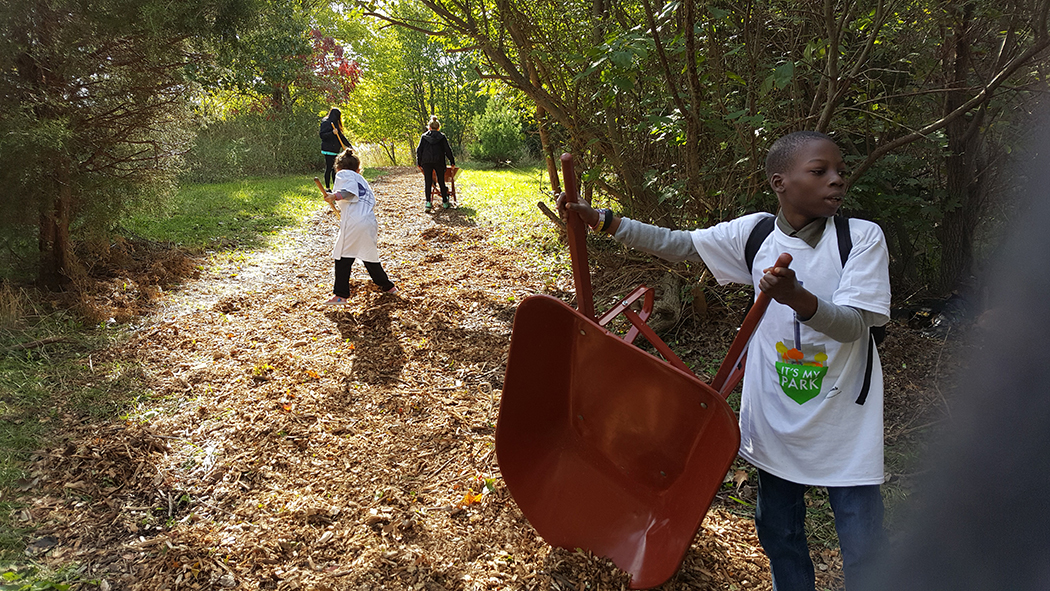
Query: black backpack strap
x=875 y=333
x=867 y=370
x=843 y=235
x=756 y=238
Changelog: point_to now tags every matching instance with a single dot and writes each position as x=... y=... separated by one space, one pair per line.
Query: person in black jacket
x=430 y=158
x=333 y=141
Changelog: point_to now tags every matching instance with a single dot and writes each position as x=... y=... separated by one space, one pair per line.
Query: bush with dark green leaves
x=498 y=132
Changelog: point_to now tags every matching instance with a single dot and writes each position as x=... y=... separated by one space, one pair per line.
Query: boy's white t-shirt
x=799 y=417
x=358 y=228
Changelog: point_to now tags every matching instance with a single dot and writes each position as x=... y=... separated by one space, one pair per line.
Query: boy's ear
x=776 y=182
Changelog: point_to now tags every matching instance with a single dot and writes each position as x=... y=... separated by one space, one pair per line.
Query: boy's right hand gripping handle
x=732 y=369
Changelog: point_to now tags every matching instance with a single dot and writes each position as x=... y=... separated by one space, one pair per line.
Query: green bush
x=498 y=132
x=253 y=144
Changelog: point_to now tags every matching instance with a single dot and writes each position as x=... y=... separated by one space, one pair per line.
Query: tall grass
x=374 y=155
x=255 y=144
x=12 y=307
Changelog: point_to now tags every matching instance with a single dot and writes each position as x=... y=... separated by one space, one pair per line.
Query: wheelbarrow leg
x=450 y=182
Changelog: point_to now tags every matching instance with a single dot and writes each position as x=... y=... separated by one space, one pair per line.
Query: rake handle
x=324 y=192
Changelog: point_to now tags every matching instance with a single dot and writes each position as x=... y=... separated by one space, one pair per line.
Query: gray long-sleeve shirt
x=842 y=323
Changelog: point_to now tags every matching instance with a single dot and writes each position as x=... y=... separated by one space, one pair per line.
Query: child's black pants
x=342 y=276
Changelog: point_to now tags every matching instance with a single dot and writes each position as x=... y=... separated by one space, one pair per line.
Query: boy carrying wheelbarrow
x=811 y=412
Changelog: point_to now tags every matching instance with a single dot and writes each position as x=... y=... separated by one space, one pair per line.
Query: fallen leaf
x=470 y=498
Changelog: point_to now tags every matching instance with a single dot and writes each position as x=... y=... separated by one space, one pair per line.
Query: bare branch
x=985 y=93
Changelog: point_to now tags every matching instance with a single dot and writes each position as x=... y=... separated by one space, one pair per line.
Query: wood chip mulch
x=286 y=445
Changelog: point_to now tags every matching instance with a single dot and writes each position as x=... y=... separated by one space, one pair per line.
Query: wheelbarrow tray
x=606 y=447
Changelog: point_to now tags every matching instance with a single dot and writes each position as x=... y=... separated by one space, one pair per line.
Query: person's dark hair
x=335 y=116
x=783 y=150
x=347 y=160
x=434 y=123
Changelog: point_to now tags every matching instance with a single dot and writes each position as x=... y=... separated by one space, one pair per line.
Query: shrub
x=498 y=132
x=255 y=144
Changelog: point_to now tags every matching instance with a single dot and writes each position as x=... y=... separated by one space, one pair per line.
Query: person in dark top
x=333 y=141
x=430 y=157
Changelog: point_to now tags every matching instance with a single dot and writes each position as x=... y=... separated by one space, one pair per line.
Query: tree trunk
x=57 y=263
x=964 y=187
x=693 y=129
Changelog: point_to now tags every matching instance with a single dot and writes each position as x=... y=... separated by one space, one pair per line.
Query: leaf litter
x=287 y=446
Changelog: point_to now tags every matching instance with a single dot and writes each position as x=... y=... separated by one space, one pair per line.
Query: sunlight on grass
x=224 y=216
x=505 y=199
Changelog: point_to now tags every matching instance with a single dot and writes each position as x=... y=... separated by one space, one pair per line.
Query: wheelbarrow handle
x=577 y=235
x=732 y=369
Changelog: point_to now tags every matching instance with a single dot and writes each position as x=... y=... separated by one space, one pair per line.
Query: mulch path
x=286 y=445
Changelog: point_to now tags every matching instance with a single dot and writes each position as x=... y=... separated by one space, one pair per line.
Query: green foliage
x=498 y=132
x=670 y=108
x=98 y=94
x=249 y=142
x=407 y=77
x=281 y=58
x=29 y=580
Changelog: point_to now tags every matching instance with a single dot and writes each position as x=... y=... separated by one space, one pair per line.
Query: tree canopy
x=94 y=95
x=409 y=76
x=671 y=105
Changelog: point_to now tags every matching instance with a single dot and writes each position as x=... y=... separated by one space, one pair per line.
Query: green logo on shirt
x=801 y=382
x=801 y=370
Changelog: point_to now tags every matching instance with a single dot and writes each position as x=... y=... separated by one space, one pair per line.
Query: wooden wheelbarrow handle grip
x=577 y=236
x=324 y=192
x=732 y=369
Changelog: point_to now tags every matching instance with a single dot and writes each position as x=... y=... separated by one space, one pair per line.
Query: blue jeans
x=780 y=519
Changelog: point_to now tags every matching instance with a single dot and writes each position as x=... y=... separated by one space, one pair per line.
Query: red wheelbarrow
x=451 y=172
x=606 y=447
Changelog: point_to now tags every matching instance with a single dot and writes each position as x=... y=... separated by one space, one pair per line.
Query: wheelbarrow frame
x=602 y=445
x=451 y=172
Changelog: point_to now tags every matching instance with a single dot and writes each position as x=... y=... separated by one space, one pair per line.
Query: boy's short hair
x=347 y=160
x=783 y=149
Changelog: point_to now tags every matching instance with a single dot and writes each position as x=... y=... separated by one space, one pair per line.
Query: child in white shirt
x=811 y=411
x=358 y=228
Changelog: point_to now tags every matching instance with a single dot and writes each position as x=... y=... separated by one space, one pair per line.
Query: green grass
x=239 y=215
x=506 y=200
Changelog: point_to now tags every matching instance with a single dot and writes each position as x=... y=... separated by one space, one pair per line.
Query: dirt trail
x=286 y=445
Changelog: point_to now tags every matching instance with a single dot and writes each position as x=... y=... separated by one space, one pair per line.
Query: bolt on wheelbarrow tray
x=606 y=447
